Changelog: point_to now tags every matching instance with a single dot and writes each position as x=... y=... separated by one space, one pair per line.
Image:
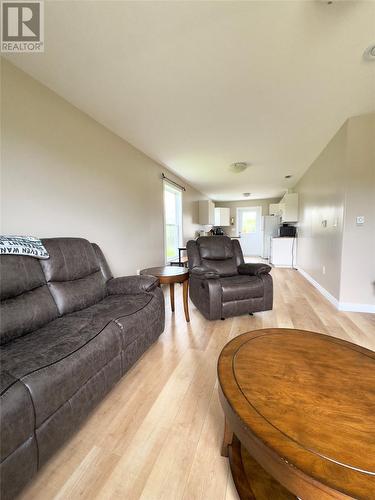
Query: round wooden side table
x=169 y=275
x=302 y=406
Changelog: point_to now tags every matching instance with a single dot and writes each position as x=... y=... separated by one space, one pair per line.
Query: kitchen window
x=172 y=221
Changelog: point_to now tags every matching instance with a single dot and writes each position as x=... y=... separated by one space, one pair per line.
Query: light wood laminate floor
x=157 y=435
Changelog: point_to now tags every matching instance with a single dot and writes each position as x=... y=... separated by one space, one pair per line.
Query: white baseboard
x=322 y=290
x=354 y=307
x=341 y=306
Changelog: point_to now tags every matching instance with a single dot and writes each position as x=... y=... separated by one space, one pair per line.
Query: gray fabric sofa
x=221 y=284
x=69 y=331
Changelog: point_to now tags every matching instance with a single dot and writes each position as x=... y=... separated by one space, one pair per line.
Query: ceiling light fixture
x=239 y=166
x=246 y=195
x=369 y=53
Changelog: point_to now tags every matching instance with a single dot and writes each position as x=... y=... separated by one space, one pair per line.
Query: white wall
x=64 y=174
x=358 y=255
x=337 y=187
x=321 y=197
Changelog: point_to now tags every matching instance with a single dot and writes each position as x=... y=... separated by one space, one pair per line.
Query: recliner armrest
x=254 y=269
x=131 y=284
x=204 y=273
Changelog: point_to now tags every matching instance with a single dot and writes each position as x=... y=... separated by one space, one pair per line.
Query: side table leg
x=227 y=439
x=186 y=300
x=171 y=291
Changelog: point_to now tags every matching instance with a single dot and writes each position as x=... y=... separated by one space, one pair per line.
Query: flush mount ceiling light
x=246 y=195
x=369 y=53
x=239 y=166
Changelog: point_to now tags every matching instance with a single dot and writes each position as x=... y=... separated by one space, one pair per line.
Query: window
x=249 y=222
x=173 y=221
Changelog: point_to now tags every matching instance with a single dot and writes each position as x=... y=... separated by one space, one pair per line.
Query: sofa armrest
x=268 y=291
x=129 y=285
x=254 y=269
x=204 y=273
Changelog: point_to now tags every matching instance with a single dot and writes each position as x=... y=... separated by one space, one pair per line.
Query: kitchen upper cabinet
x=287 y=209
x=290 y=209
x=222 y=216
x=275 y=209
x=206 y=212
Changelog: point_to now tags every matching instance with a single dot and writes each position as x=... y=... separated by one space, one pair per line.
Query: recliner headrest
x=215 y=247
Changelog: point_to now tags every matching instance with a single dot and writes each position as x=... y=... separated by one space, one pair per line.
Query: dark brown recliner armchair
x=221 y=284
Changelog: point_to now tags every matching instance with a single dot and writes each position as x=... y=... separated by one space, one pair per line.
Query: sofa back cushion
x=73 y=274
x=26 y=303
x=217 y=253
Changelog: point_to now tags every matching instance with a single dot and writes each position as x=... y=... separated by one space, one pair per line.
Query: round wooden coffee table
x=300 y=415
x=169 y=275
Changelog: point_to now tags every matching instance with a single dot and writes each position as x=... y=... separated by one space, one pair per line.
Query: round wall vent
x=369 y=53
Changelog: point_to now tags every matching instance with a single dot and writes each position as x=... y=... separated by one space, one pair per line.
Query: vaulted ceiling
x=200 y=85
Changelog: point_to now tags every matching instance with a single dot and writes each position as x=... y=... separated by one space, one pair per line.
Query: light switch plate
x=360 y=219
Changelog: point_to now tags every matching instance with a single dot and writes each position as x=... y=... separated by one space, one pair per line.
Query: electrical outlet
x=324 y=269
x=324 y=223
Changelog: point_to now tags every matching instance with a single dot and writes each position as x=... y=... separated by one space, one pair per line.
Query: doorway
x=249 y=228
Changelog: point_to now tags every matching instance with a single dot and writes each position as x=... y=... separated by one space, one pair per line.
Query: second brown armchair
x=221 y=284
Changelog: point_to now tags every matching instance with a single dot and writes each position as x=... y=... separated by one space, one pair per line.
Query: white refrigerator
x=270 y=228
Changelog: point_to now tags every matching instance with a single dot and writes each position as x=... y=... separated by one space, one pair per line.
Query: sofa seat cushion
x=241 y=287
x=117 y=308
x=56 y=360
x=6 y=380
x=16 y=414
x=65 y=335
x=114 y=307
